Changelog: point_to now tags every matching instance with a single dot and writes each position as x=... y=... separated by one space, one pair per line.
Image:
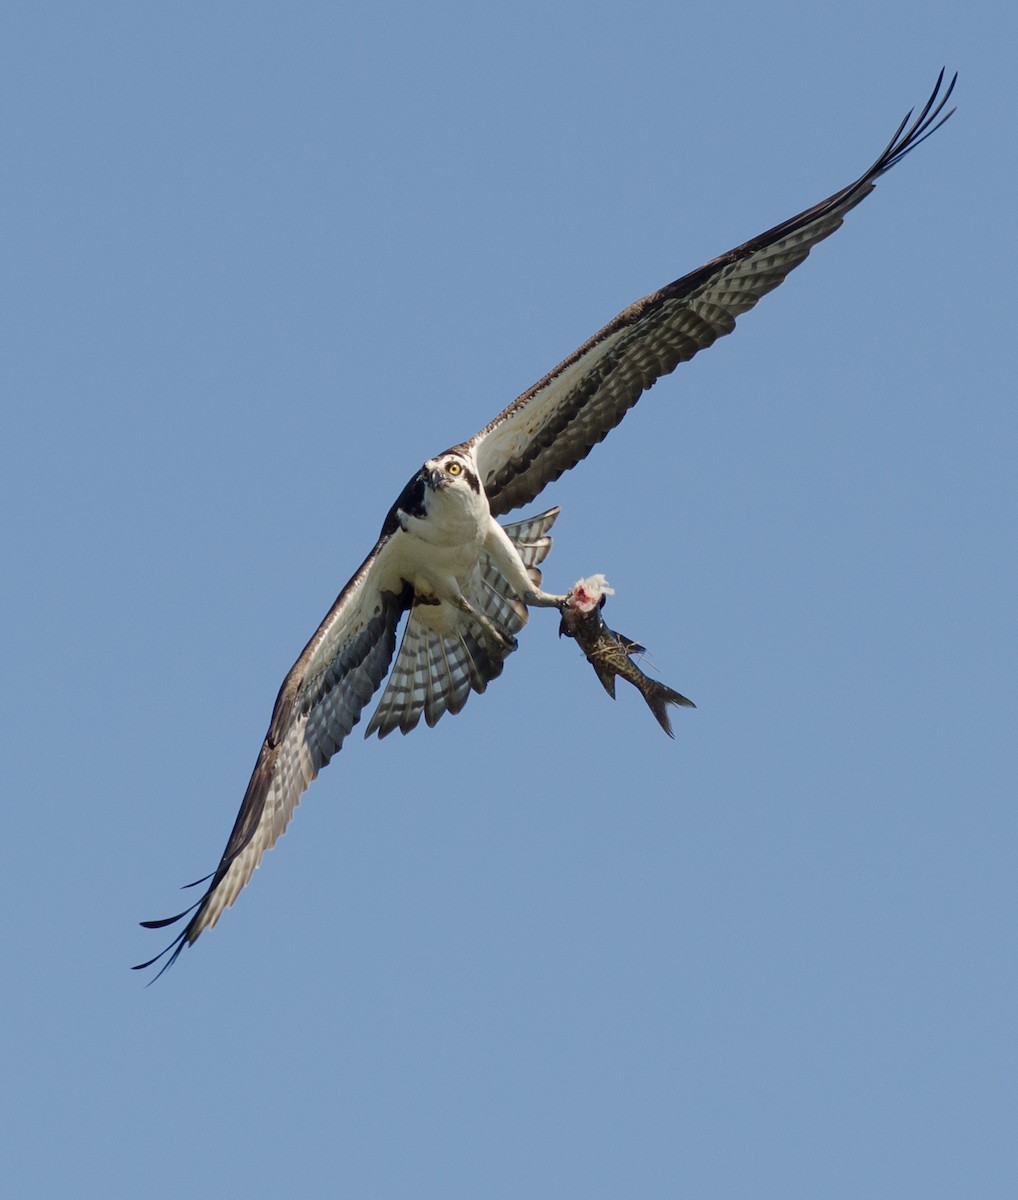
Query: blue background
x=261 y=260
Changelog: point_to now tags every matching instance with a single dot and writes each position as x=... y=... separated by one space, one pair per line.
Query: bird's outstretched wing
x=319 y=703
x=556 y=423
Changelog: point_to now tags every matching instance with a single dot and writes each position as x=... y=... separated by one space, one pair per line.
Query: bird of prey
x=463 y=580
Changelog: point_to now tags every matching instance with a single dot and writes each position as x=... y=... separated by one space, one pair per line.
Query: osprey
x=466 y=581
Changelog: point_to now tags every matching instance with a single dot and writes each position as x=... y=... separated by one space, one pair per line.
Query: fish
x=610 y=653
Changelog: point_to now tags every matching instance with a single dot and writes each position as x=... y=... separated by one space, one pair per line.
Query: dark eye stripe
x=462 y=471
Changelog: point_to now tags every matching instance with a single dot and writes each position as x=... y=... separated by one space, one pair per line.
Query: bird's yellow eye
x=454 y=468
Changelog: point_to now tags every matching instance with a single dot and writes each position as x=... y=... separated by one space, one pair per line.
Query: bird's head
x=451 y=471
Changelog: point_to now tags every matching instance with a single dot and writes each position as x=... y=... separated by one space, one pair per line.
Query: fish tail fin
x=658 y=697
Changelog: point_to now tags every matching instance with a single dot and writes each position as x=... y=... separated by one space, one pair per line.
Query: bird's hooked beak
x=434 y=478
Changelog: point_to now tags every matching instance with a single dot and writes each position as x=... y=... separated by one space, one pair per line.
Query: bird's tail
x=435 y=671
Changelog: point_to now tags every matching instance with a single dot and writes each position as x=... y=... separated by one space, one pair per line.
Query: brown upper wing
x=555 y=424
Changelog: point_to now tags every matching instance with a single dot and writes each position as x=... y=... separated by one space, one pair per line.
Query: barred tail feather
x=435 y=672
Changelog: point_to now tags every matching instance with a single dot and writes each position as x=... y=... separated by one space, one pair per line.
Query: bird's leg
x=535 y=598
x=505 y=641
x=506 y=557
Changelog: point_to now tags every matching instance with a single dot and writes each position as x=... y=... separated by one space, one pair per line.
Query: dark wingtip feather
x=173 y=949
x=908 y=136
x=161 y=924
x=164 y=921
x=178 y=943
x=197 y=882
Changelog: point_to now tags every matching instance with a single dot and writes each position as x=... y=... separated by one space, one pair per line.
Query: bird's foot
x=500 y=639
x=501 y=642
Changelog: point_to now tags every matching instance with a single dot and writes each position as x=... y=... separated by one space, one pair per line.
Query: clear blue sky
x=261 y=260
